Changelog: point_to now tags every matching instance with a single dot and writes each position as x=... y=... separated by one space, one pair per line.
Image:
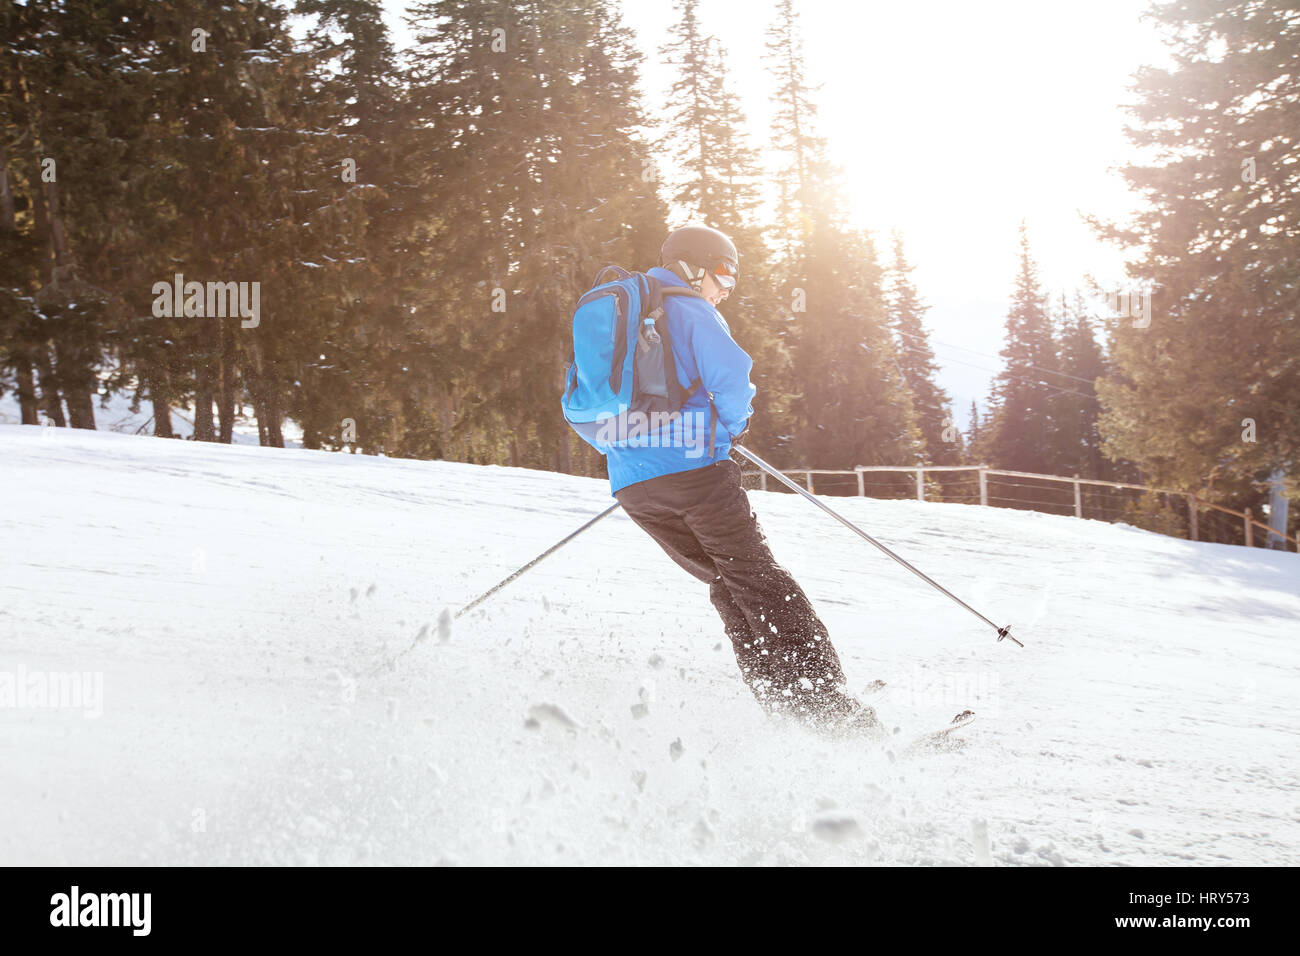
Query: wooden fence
x=1083 y=497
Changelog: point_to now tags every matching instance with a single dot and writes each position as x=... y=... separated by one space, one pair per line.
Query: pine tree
x=801 y=179
x=1217 y=246
x=853 y=406
x=694 y=114
x=20 y=248
x=975 y=443
x=373 y=375
x=1078 y=442
x=849 y=403
x=1023 y=437
x=62 y=106
x=609 y=214
x=226 y=187
x=916 y=359
x=543 y=179
x=719 y=186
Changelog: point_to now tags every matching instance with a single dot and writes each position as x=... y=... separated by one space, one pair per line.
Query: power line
x=1021 y=378
x=949 y=345
x=1018 y=378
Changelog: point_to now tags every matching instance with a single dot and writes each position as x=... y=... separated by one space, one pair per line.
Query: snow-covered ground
x=115 y=412
x=237 y=606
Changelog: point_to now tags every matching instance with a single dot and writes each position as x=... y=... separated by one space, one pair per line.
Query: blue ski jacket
x=704 y=351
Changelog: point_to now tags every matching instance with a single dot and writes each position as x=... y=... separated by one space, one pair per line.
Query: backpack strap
x=654 y=300
x=619 y=273
x=675 y=289
x=698 y=383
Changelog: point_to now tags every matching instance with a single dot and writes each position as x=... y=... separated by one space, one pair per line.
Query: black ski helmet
x=699 y=249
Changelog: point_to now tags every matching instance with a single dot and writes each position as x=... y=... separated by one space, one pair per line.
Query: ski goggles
x=726 y=274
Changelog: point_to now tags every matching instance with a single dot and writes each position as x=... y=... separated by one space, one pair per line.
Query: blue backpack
x=621 y=370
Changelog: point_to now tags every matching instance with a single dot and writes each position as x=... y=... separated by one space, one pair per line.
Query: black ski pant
x=702 y=519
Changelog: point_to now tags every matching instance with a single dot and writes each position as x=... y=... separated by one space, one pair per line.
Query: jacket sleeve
x=724 y=370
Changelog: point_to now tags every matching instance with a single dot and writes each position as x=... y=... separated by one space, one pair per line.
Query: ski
x=874 y=688
x=941 y=738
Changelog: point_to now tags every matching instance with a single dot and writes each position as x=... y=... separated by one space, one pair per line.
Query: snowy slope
x=115 y=412
x=240 y=604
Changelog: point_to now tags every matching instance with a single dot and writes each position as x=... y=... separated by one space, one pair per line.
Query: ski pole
x=447 y=617
x=1002 y=631
x=537 y=560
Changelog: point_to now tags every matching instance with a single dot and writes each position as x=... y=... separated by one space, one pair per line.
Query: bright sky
x=952 y=121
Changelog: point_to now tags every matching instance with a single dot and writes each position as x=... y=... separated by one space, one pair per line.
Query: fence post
x=920 y=483
x=1192 y=516
x=762 y=480
x=984 y=485
x=862 y=487
x=1277 y=512
x=810 y=483
x=1078 y=499
x=1250 y=538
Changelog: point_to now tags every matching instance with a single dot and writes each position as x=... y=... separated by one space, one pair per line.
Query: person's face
x=712 y=291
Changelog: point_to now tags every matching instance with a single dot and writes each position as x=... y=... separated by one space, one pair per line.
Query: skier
x=690 y=500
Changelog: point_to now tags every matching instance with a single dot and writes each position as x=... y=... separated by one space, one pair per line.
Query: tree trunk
x=6 y=196
x=27 y=399
x=160 y=397
x=76 y=368
x=260 y=413
x=23 y=120
x=267 y=409
x=446 y=421
x=268 y=423
x=226 y=389
x=446 y=414
x=162 y=419
x=275 y=415
x=58 y=234
x=81 y=409
x=203 y=406
x=205 y=377
x=310 y=430
x=51 y=401
x=563 y=460
x=312 y=425
x=257 y=381
x=77 y=380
